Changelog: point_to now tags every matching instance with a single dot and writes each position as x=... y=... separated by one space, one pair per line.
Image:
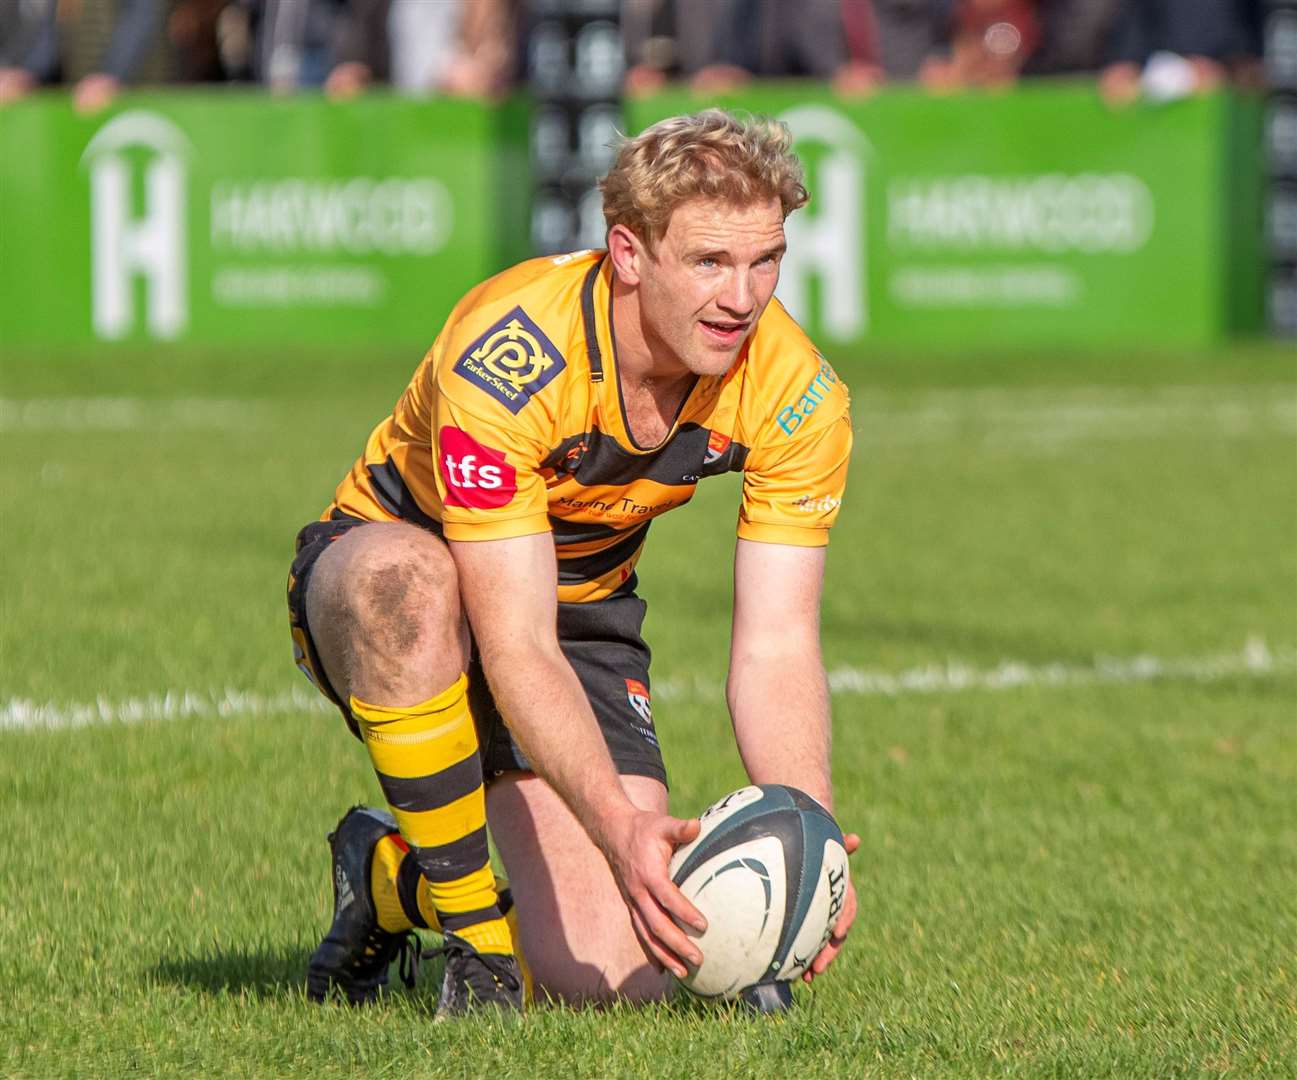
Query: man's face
x=710 y=278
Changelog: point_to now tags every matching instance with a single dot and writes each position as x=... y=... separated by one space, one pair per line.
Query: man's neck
x=638 y=362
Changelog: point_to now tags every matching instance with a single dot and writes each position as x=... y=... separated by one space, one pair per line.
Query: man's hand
x=15 y=84
x=347 y=80
x=838 y=937
x=638 y=853
x=94 y=92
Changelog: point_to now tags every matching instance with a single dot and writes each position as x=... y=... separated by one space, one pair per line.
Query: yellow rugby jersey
x=513 y=424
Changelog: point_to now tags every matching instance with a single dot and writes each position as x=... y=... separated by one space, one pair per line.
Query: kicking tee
x=513 y=424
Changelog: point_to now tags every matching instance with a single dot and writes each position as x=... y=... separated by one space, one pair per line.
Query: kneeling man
x=468 y=599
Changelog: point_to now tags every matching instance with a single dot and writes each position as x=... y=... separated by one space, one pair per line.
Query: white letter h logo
x=151 y=245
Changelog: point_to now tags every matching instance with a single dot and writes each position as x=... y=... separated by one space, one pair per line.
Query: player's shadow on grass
x=258 y=971
x=274 y=972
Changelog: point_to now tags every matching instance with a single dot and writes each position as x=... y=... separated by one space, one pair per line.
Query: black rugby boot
x=474 y=980
x=355 y=954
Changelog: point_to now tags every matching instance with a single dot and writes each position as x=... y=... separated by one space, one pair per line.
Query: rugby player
x=468 y=599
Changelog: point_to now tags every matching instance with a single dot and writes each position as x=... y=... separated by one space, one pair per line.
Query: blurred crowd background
x=475 y=48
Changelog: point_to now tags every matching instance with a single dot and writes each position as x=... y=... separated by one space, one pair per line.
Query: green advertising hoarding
x=1036 y=217
x=195 y=217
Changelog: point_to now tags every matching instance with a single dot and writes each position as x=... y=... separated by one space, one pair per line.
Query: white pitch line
x=1003 y=419
x=1254 y=659
x=22 y=714
x=999 y=418
x=131 y=414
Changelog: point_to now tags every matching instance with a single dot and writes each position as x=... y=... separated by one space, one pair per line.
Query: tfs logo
x=475 y=476
x=151 y=245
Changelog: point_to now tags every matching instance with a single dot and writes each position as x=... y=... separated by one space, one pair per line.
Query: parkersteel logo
x=512 y=361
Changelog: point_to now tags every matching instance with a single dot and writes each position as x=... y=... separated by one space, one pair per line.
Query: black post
x=1281 y=158
x=575 y=65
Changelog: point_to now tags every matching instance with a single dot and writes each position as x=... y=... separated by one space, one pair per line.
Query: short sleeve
x=498 y=380
x=487 y=477
x=792 y=488
x=487 y=473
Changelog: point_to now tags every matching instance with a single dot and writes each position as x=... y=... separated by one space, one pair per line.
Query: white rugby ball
x=769 y=872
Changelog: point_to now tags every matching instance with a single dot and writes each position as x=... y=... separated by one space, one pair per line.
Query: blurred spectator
x=1169 y=48
x=19 y=24
x=459 y=47
x=362 y=50
x=285 y=44
x=910 y=31
x=62 y=41
x=1074 y=37
x=669 y=40
x=720 y=44
x=192 y=31
x=462 y=47
x=990 y=42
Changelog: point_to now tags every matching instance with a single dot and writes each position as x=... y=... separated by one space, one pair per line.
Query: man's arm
x=777 y=691
x=509 y=588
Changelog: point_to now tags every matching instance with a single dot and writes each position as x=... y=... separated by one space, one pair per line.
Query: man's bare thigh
x=576 y=930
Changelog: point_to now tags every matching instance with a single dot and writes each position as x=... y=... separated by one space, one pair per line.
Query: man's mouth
x=724 y=331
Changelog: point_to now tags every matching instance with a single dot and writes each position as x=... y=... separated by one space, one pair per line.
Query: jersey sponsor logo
x=717 y=444
x=817 y=504
x=475 y=476
x=513 y=361
x=618 y=507
x=573 y=458
x=790 y=417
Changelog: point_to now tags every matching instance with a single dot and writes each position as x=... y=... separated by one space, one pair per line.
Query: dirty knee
x=406 y=599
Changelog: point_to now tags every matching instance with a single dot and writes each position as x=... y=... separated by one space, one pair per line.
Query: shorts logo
x=512 y=361
x=717 y=444
x=300 y=657
x=638 y=696
x=475 y=476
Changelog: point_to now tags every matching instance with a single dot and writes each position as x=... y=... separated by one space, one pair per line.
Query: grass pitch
x=1061 y=624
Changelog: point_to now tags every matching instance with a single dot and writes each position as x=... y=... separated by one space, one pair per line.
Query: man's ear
x=627 y=252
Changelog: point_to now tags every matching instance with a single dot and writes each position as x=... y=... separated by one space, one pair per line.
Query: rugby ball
x=769 y=872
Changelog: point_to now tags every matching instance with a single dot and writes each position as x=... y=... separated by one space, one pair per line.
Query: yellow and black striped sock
x=428 y=766
x=404 y=898
x=400 y=894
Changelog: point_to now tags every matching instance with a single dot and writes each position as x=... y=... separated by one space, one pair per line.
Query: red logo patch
x=717 y=444
x=638 y=696
x=476 y=476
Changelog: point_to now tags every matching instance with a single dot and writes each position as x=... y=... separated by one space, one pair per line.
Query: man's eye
x=706 y=262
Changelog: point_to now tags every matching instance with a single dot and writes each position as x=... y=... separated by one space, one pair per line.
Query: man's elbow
x=787 y=647
x=508 y=654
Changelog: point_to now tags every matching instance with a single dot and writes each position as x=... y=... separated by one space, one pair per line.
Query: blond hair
x=711 y=154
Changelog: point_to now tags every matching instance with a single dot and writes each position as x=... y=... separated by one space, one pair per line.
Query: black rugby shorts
x=600 y=639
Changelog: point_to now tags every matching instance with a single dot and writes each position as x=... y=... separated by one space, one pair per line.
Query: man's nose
x=737 y=295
